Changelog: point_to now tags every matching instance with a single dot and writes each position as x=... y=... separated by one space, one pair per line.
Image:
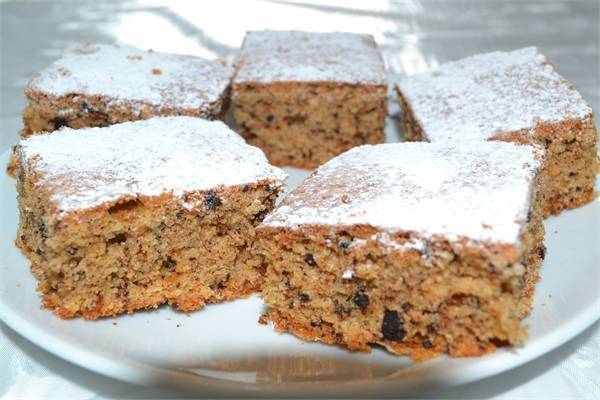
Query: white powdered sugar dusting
x=296 y=56
x=87 y=167
x=385 y=239
x=124 y=74
x=490 y=94
x=480 y=191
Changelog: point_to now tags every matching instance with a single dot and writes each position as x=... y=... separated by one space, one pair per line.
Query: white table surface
x=413 y=35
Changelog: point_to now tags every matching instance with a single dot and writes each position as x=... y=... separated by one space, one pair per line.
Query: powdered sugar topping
x=385 y=239
x=88 y=167
x=295 y=56
x=480 y=191
x=126 y=74
x=490 y=94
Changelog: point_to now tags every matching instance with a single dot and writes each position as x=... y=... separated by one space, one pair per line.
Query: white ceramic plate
x=223 y=350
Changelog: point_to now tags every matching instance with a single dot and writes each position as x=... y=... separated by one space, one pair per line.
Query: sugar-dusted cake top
x=477 y=190
x=296 y=56
x=125 y=73
x=489 y=94
x=88 y=167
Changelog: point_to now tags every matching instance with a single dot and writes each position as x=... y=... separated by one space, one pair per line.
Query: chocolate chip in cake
x=433 y=327
x=212 y=200
x=223 y=282
x=310 y=260
x=578 y=188
x=43 y=230
x=119 y=238
x=406 y=307
x=169 y=264
x=340 y=309
x=392 y=327
x=304 y=297
x=245 y=188
x=541 y=251
x=361 y=299
x=270 y=118
x=59 y=123
x=85 y=107
x=344 y=244
x=259 y=216
x=427 y=344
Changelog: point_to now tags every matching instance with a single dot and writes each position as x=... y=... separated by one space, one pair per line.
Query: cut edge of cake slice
x=143 y=213
x=344 y=267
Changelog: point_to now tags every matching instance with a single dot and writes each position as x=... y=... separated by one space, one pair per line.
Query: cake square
x=513 y=96
x=424 y=248
x=100 y=85
x=304 y=97
x=142 y=213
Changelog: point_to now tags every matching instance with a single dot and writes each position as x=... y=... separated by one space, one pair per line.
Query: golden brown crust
x=101 y=310
x=326 y=334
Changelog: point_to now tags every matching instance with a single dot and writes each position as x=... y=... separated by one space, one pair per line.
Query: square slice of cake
x=304 y=97
x=515 y=96
x=422 y=248
x=142 y=213
x=100 y=85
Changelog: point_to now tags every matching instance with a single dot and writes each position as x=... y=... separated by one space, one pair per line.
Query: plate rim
x=133 y=371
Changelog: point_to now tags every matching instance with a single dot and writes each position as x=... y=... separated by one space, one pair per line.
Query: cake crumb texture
x=421 y=248
x=143 y=213
x=304 y=97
